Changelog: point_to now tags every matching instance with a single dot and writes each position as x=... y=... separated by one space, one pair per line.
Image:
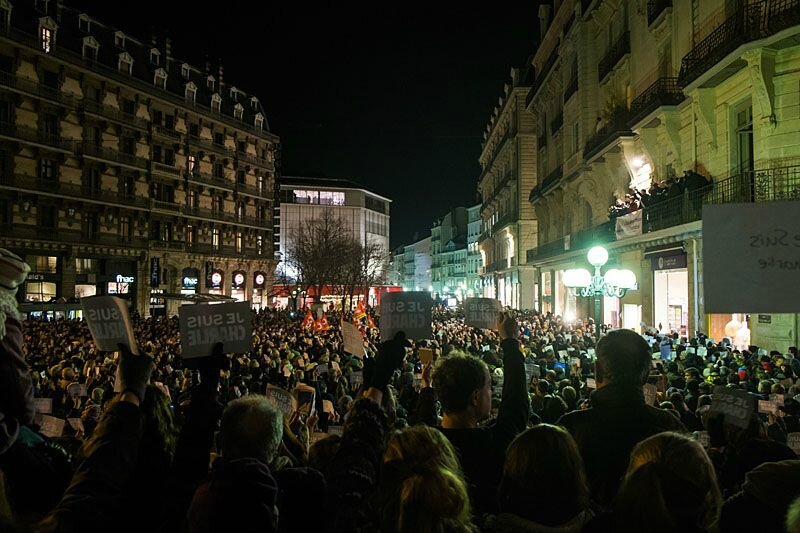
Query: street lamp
x=614 y=284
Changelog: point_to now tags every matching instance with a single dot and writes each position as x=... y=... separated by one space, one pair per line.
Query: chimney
x=168 y=50
x=219 y=80
x=208 y=66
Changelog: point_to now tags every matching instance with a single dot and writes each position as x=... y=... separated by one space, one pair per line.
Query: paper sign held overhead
x=304 y=395
x=204 y=325
x=481 y=312
x=43 y=406
x=767 y=407
x=353 y=340
x=109 y=322
x=409 y=312
x=650 y=392
x=52 y=427
x=425 y=356
x=764 y=239
x=283 y=400
x=736 y=405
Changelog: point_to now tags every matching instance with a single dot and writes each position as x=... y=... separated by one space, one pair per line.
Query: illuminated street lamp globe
x=597 y=256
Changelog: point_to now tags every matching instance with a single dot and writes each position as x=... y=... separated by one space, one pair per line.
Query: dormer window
x=160 y=78
x=259 y=121
x=238 y=112
x=234 y=94
x=84 y=24
x=47 y=34
x=5 y=13
x=119 y=39
x=216 y=103
x=254 y=103
x=155 y=56
x=90 y=48
x=210 y=83
x=191 y=92
x=125 y=63
x=185 y=71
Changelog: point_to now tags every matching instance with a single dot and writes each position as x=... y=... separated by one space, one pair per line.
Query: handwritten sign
x=425 y=356
x=765 y=240
x=327 y=407
x=532 y=370
x=109 y=322
x=409 y=312
x=304 y=395
x=204 y=325
x=793 y=442
x=44 y=406
x=282 y=399
x=51 y=426
x=736 y=405
x=767 y=407
x=353 y=340
x=481 y=312
x=650 y=392
x=590 y=383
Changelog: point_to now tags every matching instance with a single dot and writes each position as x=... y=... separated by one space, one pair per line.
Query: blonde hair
x=429 y=494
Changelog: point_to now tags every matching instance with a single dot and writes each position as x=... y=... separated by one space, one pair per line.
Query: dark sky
x=393 y=97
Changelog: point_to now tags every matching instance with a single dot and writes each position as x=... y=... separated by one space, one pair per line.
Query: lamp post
x=615 y=283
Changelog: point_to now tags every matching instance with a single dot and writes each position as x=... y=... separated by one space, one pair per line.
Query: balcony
x=572 y=88
x=619 y=50
x=67 y=236
x=35 y=136
x=664 y=92
x=210 y=146
x=252 y=190
x=541 y=75
x=168 y=245
x=165 y=205
x=36 y=89
x=161 y=168
x=503 y=221
x=615 y=127
x=91 y=149
x=94 y=108
x=655 y=8
x=252 y=159
x=208 y=179
x=54 y=186
x=166 y=133
x=547 y=184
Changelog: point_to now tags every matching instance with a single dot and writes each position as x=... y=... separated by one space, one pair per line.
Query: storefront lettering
x=125 y=279
x=190 y=281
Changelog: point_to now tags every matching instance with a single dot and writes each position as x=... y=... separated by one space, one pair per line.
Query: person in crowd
x=543 y=486
x=619 y=418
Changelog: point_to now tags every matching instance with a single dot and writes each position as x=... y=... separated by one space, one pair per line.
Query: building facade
x=474 y=229
x=126 y=170
x=629 y=95
x=508 y=172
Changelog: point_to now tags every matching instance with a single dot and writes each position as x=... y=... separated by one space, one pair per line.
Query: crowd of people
x=538 y=425
x=658 y=192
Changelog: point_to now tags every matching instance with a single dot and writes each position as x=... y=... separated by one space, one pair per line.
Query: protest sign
x=765 y=240
x=322 y=368
x=204 y=325
x=305 y=398
x=282 y=399
x=650 y=392
x=590 y=352
x=327 y=407
x=335 y=430
x=353 y=340
x=767 y=407
x=575 y=361
x=532 y=370
x=777 y=399
x=409 y=312
x=793 y=442
x=43 y=406
x=481 y=312
x=76 y=424
x=418 y=380
x=356 y=378
x=109 y=322
x=76 y=390
x=562 y=354
x=51 y=426
x=425 y=356
x=702 y=351
x=590 y=383
x=736 y=405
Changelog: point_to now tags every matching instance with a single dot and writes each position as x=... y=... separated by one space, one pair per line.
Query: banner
x=204 y=325
x=109 y=322
x=481 y=312
x=751 y=258
x=629 y=225
x=353 y=340
x=409 y=312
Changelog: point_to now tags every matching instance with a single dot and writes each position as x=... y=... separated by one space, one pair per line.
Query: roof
x=289 y=182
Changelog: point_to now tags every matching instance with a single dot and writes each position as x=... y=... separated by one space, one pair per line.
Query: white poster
x=109 y=322
x=204 y=325
x=481 y=312
x=751 y=258
x=282 y=399
x=353 y=340
x=629 y=225
x=409 y=312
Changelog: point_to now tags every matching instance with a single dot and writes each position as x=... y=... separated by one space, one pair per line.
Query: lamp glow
x=598 y=256
x=577 y=277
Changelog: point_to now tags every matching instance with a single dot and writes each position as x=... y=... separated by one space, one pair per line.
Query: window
x=155 y=56
x=127 y=186
x=239 y=242
x=219 y=170
x=50 y=123
x=306 y=197
x=157 y=153
x=119 y=39
x=191 y=199
x=216 y=103
x=261 y=213
x=5 y=13
x=185 y=71
x=191 y=92
x=189 y=236
x=240 y=177
x=260 y=184
x=260 y=244
x=191 y=163
x=238 y=112
x=158 y=117
x=127 y=145
x=219 y=138
x=259 y=121
x=125 y=228
x=84 y=24
x=48 y=169
x=40 y=291
x=194 y=130
x=240 y=210
x=169 y=122
x=254 y=103
x=210 y=83
x=125 y=63
x=215 y=238
x=128 y=106
x=48 y=216
x=166 y=232
x=47 y=39
x=44 y=264
x=218 y=204
x=84 y=265
x=160 y=78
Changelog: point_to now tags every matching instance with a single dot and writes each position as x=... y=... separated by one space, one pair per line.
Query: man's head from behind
x=623 y=357
x=464 y=387
x=251 y=428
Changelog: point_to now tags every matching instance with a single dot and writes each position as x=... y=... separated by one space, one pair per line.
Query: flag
x=370 y=322
x=308 y=321
x=322 y=324
x=361 y=311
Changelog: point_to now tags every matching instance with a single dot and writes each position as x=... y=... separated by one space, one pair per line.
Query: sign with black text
x=736 y=405
x=409 y=312
x=764 y=239
x=481 y=312
x=282 y=399
x=353 y=340
x=204 y=325
x=109 y=322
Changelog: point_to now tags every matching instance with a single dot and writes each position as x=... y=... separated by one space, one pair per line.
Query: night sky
x=395 y=98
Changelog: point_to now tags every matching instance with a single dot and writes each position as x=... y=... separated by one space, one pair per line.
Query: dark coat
x=608 y=431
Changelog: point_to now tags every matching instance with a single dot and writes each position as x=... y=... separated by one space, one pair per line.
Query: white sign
x=793 y=442
x=629 y=225
x=754 y=248
x=356 y=378
x=650 y=392
x=109 y=322
x=767 y=407
x=590 y=383
x=204 y=325
x=409 y=312
x=51 y=426
x=353 y=340
x=282 y=399
x=336 y=430
x=481 y=312
x=304 y=395
x=44 y=406
x=777 y=399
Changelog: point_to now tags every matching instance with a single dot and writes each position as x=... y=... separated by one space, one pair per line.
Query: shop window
x=85 y=265
x=44 y=264
x=40 y=291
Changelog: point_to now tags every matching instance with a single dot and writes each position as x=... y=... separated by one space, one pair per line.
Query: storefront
x=190 y=280
x=259 y=288
x=158 y=303
x=670 y=292
x=238 y=285
x=43 y=283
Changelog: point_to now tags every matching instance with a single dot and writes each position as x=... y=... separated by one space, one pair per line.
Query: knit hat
x=13 y=271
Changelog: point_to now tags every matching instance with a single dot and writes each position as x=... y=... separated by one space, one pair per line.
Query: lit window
x=215 y=238
x=155 y=56
x=125 y=63
x=47 y=39
x=191 y=92
x=191 y=163
x=238 y=112
x=39 y=291
x=239 y=242
x=216 y=103
x=185 y=71
x=119 y=39
x=160 y=78
x=46 y=264
x=189 y=236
